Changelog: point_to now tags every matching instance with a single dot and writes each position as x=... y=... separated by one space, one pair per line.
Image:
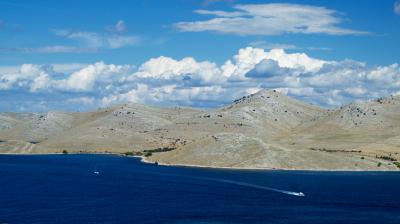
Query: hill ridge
x=266 y=130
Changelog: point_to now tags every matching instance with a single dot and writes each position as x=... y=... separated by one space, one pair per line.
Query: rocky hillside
x=271 y=109
x=263 y=130
x=371 y=128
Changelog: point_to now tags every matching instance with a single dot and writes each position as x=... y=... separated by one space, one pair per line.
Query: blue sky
x=49 y=48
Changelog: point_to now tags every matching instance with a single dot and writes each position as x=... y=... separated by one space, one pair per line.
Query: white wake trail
x=238 y=183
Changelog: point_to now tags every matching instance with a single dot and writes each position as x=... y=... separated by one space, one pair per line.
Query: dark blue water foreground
x=66 y=189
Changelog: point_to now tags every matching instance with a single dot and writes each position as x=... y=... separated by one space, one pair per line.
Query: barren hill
x=371 y=128
x=264 y=130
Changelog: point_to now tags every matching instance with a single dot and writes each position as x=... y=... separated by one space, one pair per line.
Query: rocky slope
x=264 y=130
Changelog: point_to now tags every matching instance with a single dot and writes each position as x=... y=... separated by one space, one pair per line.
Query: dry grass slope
x=266 y=130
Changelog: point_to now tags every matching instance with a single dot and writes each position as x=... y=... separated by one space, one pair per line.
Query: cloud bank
x=270 y=19
x=164 y=81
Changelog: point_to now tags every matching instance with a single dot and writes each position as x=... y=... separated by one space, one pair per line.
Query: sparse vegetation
x=132 y=153
x=129 y=153
x=163 y=149
x=149 y=152
x=388 y=158
x=335 y=150
x=397 y=164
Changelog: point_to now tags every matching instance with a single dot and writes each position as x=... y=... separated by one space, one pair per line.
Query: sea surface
x=113 y=189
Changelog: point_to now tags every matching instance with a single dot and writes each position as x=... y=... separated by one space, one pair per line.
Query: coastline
x=144 y=159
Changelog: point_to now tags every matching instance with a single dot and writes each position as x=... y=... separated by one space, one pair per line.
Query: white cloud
x=355 y=91
x=118 y=41
x=268 y=68
x=271 y=19
x=62 y=49
x=219 y=13
x=270 y=45
x=169 y=95
x=249 y=57
x=68 y=67
x=81 y=100
x=50 y=49
x=396 y=7
x=89 y=39
x=44 y=78
x=188 y=82
x=168 y=68
x=61 y=68
x=85 y=79
x=119 y=27
x=31 y=77
x=112 y=39
x=42 y=81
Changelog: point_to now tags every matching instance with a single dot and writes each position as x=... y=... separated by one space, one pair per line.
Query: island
x=265 y=130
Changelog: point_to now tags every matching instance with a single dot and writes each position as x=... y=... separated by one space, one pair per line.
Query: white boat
x=96 y=172
x=300 y=194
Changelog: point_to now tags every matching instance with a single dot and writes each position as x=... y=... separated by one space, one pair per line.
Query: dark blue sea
x=113 y=189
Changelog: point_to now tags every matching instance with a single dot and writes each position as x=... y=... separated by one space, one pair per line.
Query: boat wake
x=244 y=184
x=238 y=183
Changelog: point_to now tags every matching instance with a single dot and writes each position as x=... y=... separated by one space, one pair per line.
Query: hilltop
x=267 y=130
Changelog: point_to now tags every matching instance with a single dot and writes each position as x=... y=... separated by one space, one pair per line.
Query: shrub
x=64 y=152
x=128 y=153
x=163 y=149
x=132 y=153
x=379 y=164
x=397 y=164
x=388 y=158
x=147 y=154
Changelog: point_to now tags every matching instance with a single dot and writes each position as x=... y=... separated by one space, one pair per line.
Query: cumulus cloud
x=85 y=79
x=270 y=19
x=187 y=69
x=248 y=58
x=267 y=68
x=36 y=78
x=187 y=82
x=30 y=77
